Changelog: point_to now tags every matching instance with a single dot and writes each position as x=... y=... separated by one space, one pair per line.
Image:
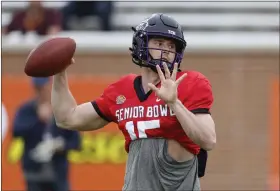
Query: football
x=50 y=57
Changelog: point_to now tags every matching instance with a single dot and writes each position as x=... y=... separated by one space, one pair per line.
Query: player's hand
x=63 y=72
x=168 y=90
x=72 y=61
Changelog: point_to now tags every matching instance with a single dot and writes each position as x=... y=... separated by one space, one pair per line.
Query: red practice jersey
x=141 y=115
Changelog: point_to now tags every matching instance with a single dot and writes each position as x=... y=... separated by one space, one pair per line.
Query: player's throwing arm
x=51 y=58
x=67 y=113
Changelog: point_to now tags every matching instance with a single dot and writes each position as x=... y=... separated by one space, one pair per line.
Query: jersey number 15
x=142 y=126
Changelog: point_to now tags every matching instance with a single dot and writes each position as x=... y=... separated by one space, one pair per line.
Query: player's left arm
x=194 y=116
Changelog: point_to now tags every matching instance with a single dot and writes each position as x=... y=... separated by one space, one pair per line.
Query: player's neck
x=148 y=76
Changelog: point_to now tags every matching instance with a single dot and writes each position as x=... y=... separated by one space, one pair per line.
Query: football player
x=163 y=113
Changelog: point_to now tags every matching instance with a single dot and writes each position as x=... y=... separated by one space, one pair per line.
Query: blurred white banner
x=121 y=41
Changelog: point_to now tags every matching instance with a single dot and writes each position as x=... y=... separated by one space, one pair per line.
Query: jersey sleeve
x=103 y=103
x=200 y=97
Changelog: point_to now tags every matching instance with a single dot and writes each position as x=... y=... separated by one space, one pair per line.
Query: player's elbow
x=71 y=123
x=62 y=125
x=209 y=144
x=67 y=120
x=209 y=136
x=67 y=123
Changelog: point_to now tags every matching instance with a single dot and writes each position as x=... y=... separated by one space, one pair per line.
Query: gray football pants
x=149 y=167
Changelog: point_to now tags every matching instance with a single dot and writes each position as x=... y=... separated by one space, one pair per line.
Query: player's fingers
x=174 y=72
x=153 y=87
x=161 y=75
x=72 y=61
x=180 y=79
x=166 y=70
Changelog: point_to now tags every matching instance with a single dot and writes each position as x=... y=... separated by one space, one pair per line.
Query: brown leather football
x=50 y=57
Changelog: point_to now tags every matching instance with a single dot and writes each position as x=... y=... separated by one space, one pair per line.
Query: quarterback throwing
x=163 y=113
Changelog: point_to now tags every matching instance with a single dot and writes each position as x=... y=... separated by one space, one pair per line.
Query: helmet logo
x=142 y=25
x=171 y=32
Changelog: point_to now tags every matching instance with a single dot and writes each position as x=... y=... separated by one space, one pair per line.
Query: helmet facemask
x=142 y=57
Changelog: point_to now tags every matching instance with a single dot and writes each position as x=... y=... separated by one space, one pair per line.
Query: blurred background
x=235 y=44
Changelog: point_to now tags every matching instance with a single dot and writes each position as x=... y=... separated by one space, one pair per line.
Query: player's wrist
x=173 y=105
x=61 y=74
x=60 y=79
